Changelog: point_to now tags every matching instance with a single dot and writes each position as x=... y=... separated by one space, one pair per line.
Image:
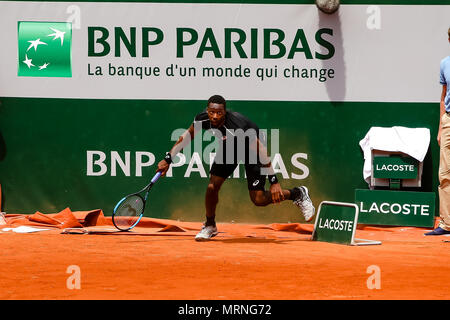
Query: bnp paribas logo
x=44 y=49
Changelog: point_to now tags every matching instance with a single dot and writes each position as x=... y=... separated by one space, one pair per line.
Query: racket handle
x=156 y=177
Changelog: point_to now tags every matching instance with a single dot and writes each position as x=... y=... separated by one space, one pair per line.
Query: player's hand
x=277 y=193
x=163 y=166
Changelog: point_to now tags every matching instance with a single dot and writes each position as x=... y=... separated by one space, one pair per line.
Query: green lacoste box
x=336 y=222
x=395 y=167
x=396 y=208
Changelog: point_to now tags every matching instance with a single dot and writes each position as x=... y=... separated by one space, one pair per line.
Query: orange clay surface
x=159 y=260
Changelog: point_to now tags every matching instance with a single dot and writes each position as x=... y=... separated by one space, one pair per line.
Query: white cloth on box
x=411 y=141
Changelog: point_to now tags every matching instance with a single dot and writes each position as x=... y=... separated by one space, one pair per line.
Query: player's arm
x=182 y=141
x=442 y=111
x=267 y=169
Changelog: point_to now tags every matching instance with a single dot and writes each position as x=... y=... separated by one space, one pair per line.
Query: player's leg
x=218 y=174
x=261 y=197
x=256 y=187
x=212 y=198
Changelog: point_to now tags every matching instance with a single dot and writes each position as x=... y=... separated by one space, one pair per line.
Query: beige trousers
x=444 y=174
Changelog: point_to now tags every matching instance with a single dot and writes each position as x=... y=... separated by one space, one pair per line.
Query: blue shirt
x=445 y=80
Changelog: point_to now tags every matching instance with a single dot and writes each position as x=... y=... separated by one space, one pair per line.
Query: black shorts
x=255 y=181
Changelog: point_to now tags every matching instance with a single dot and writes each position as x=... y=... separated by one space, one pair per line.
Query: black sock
x=295 y=193
x=210 y=221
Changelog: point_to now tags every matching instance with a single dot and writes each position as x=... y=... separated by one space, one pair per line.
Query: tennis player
x=240 y=141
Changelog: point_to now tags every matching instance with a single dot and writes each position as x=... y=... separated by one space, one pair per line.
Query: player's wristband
x=272 y=178
x=168 y=158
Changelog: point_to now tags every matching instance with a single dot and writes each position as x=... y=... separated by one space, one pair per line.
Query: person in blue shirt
x=443 y=139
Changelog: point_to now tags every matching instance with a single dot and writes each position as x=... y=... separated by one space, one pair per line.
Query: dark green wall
x=43 y=144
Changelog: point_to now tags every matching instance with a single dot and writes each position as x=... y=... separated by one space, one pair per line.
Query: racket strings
x=128 y=212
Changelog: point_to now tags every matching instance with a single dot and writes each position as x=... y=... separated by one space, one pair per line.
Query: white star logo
x=35 y=43
x=28 y=62
x=44 y=66
x=57 y=35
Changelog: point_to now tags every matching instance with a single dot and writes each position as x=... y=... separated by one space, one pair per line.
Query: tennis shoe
x=206 y=233
x=303 y=201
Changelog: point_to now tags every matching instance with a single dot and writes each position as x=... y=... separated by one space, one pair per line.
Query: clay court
x=159 y=260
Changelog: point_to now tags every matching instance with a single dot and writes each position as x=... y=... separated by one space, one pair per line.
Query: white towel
x=24 y=229
x=411 y=141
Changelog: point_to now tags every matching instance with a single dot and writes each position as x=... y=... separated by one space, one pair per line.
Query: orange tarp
x=95 y=218
x=63 y=219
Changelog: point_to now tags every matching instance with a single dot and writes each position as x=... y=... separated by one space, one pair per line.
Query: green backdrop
x=43 y=145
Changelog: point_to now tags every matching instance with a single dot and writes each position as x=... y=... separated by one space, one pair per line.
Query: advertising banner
x=398 y=208
x=184 y=51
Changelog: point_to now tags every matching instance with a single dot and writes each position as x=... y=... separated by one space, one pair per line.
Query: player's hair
x=449 y=32
x=218 y=99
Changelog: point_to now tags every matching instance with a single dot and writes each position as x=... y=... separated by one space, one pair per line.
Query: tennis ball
x=328 y=6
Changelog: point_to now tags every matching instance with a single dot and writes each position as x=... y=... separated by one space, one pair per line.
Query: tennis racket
x=128 y=212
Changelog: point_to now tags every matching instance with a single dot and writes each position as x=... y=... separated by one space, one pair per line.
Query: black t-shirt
x=236 y=134
x=233 y=121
